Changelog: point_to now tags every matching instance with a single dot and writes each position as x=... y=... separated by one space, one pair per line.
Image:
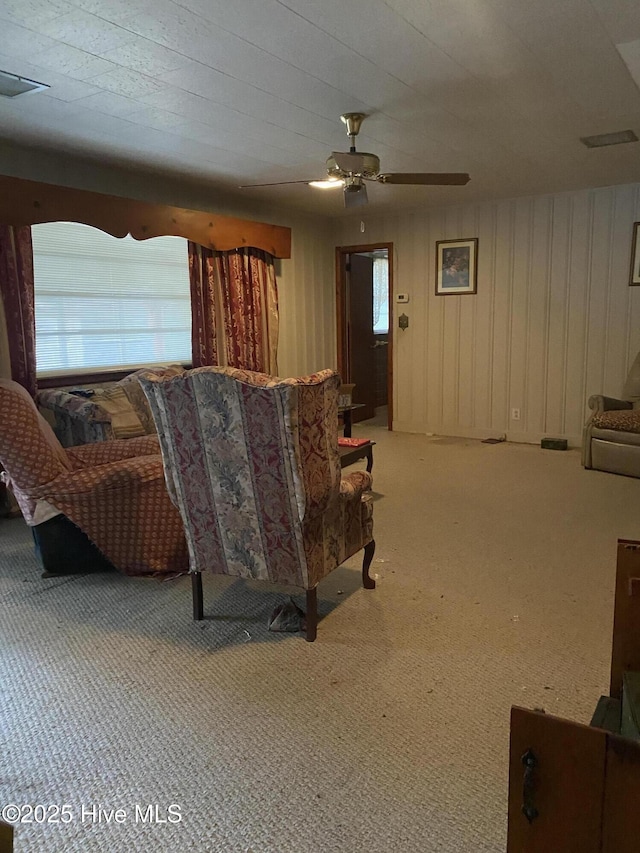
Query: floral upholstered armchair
x=105 y=501
x=252 y=463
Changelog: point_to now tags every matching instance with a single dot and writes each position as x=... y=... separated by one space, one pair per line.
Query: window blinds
x=107 y=303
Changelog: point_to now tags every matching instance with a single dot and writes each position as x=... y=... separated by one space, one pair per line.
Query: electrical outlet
x=515 y=414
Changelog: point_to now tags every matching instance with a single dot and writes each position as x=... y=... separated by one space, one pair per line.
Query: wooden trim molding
x=79 y=378
x=25 y=202
x=91 y=377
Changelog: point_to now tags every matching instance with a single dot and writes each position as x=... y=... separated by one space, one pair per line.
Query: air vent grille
x=617 y=138
x=12 y=85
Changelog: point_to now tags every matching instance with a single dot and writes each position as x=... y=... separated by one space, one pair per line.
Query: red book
x=353 y=442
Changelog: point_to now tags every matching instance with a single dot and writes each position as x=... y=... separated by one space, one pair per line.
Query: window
x=380 y=295
x=107 y=303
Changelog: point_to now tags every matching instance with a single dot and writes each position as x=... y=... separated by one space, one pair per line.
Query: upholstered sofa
x=611 y=438
x=84 y=415
x=90 y=504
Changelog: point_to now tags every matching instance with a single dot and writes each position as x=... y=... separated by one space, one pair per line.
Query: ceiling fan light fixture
x=352 y=170
x=355 y=192
x=353 y=184
x=328 y=184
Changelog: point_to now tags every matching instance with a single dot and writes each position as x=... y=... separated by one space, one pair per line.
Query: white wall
x=306 y=281
x=553 y=322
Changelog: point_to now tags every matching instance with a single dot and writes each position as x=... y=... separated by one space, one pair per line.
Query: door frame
x=341 y=294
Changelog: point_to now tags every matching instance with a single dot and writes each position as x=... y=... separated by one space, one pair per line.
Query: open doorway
x=364 y=299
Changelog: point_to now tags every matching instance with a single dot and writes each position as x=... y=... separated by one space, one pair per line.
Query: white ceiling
x=251 y=91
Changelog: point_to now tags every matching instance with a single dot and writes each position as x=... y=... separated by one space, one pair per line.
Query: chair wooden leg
x=196 y=594
x=369 y=550
x=312 y=614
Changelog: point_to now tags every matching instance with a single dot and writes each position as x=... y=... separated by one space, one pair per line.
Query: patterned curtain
x=204 y=306
x=16 y=290
x=234 y=301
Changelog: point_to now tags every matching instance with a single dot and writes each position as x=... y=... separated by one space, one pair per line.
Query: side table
x=345 y=411
x=349 y=455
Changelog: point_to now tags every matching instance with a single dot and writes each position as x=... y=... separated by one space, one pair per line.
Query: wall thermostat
x=402 y=297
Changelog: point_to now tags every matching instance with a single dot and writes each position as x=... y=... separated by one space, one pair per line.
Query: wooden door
x=565 y=785
x=360 y=337
x=625 y=652
x=343 y=256
x=6 y=837
x=580 y=787
x=621 y=818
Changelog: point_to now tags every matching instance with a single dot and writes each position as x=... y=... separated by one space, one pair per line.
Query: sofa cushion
x=136 y=395
x=615 y=436
x=625 y=420
x=60 y=398
x=124 y=420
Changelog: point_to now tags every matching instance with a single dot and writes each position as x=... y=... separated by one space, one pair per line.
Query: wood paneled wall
x=553 y=322
x=306 y=289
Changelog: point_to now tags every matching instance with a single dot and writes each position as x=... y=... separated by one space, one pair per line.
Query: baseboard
x=480 y=433
x=409 y=426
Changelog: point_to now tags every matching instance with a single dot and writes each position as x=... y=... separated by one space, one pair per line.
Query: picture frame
x=634 y=271
x=456 y=266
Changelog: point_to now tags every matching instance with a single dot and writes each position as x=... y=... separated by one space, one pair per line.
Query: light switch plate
x=402 y=297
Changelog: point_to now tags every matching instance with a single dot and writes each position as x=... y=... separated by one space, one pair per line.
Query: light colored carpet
x=495 y=568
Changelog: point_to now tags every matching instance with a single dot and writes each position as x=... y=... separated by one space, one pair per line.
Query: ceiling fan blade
x=429 y=178
x=276 y=184
x=347 y=162
x=355 y=195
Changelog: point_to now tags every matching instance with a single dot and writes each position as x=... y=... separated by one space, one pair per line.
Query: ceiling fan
x=350 y=169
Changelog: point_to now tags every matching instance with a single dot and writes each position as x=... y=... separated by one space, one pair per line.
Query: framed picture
x=456 y=266
x=634 y=275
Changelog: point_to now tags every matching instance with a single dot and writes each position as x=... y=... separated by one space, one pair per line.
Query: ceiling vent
x=603 y=139
x=11 y=85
